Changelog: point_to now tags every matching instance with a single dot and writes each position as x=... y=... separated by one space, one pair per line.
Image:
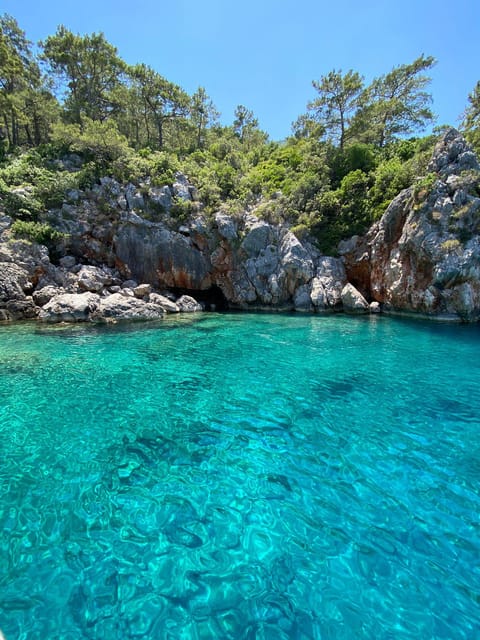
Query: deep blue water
x=240 y=476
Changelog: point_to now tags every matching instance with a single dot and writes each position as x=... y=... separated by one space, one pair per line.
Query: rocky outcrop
x=128 y=257
x=121 y=235
x=32 y=287
x=423 y=255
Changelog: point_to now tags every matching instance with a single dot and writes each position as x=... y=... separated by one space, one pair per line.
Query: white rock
x=163 y=302
x=187 y=304
x=353 y=301
x=70 y=307
x=142 y=290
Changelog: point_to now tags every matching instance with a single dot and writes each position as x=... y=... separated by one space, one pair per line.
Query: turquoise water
x=240 y=476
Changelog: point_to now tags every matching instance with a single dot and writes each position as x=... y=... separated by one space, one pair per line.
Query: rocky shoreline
x=125 y=259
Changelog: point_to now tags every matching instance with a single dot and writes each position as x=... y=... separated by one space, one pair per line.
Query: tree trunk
x=37 y=133
x=28 y=134
x=14 y=129
x=7 y=130
x=160 y=132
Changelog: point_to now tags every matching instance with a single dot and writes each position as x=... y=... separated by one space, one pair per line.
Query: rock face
x=253 y=263
x=150 y=252
x=423 y=255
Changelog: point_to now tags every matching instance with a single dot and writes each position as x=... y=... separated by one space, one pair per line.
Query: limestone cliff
x=422 y=256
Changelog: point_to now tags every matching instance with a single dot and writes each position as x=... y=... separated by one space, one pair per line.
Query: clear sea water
x=240 y=476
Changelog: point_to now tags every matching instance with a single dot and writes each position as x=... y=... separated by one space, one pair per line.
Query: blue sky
x=265 y=53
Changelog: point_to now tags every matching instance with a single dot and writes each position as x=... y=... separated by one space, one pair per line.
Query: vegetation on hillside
x=72 y=111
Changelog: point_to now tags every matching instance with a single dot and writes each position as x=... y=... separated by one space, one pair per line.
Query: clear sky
x=265 y=53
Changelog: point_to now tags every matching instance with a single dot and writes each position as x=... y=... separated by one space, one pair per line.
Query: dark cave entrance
x=212 y=299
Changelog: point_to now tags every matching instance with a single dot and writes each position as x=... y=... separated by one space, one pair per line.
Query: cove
x=240 y=476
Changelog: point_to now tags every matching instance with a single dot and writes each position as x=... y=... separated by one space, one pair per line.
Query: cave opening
x=212 y=299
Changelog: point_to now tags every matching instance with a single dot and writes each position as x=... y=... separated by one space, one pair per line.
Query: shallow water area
x=240 y=476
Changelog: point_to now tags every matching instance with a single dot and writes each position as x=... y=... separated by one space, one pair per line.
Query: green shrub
x=423 y=186
x=182 y=210
x=356 y=156
x=390 y=177
x=301 y=231
x=39 y=232
x=100 y=142
x=23 y=205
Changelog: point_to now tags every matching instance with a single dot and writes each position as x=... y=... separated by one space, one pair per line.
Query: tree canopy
x=348 y=155
x=337 y=103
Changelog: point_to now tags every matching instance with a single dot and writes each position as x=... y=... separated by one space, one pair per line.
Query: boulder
x=116 y=307
x=14 y=279
x=327 y=285
x=353 y=301
x=160 y=198
x=67 y=262
x=129 y=284
x=302 y=299
x=166 y=305
x=93 y=279
x=70 y=307
x=134 y=198
x=22 y=309
x=259 y=234
x=226 y=225
x=43 y=295
x=142 y=290
x=182 y=189
x=187 y=304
